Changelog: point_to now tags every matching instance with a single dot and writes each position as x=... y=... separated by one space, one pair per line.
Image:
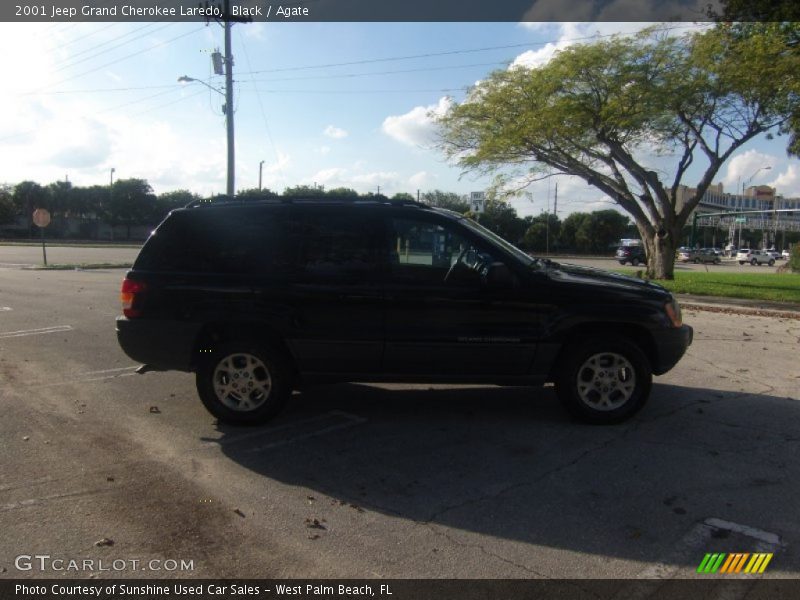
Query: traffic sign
x=741 y=219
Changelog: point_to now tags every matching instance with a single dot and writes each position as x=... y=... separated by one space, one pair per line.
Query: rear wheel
x=754 y=262
x=771 y=262
x=603 y=381
x=243 y=383
x=741 y=262
x=635 y=262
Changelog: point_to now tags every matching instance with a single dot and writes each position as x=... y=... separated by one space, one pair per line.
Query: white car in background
x=785 y=254
x=754 y=257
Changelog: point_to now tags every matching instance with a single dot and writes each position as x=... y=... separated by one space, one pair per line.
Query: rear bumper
x=671 y=345
x=163 y=345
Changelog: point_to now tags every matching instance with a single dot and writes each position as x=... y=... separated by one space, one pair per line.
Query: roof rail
x=238 y=200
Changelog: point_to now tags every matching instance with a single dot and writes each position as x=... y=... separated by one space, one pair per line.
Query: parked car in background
x=754 y=257
x=631 y=254
x=785 y=255
x=686 y=254
x=774 y=254
x=707 y=255
x=730 y=250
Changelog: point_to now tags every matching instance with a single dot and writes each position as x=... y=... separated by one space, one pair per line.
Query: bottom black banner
x=404 y=589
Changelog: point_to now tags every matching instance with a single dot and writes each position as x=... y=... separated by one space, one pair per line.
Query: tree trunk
x=660 y=256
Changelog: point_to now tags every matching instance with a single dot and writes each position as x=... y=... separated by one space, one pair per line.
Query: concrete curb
x=739 y=306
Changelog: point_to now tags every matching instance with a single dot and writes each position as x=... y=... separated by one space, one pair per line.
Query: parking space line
x=5 y=308
x=40 y=331
x=302 y=424
x=110 y=370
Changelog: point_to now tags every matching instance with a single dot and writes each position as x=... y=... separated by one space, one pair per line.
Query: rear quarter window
x=216 y=241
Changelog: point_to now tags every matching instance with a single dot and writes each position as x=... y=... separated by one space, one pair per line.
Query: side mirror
x=499 y=276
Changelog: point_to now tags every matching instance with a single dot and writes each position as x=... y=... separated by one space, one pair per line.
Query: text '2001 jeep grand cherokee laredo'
x=259 y=297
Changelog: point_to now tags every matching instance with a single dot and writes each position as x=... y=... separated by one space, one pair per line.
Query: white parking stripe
x=40 y=331
x=110 y=370
x=5 y=308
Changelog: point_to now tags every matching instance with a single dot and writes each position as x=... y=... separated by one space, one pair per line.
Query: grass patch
x=772 y=287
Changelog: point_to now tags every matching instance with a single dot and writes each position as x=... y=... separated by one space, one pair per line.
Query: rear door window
x=216 y=241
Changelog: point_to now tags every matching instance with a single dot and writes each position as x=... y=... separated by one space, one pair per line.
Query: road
x=384 y=481
x=20 y=256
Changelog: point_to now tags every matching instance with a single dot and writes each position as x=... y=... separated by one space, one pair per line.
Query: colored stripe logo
x=737 y=562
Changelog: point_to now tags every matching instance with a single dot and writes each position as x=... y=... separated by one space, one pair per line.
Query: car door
x=444 y=320
x=332 y=299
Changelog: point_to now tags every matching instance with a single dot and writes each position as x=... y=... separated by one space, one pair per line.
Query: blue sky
x=81 y=98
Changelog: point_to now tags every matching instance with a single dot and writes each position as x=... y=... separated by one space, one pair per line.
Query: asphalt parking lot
x=385 y=481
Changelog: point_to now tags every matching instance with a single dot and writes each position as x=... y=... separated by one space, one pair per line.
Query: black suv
x=631 y=254
x=261 y=297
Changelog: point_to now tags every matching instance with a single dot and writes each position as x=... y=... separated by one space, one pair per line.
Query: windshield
x=508 y=247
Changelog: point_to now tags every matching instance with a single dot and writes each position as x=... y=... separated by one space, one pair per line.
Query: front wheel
x=741 y=262
x=635 y=262
x=771 y=262
x=754 y=262
x=243 y=383
x=603 y=381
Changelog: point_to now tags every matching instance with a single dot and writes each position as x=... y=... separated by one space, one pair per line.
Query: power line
x=263 y=114
x=123 y=58
x=372 y=73
x=66 y=64
x=446 y=53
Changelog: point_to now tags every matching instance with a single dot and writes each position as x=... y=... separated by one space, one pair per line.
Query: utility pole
x=260 y=167
x=227 y=20
x=229 y=97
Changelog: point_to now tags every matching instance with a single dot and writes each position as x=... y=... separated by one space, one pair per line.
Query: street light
x=228 y=108
x=744 y=185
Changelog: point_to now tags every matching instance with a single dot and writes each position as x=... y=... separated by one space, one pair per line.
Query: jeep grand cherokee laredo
x=260 y=297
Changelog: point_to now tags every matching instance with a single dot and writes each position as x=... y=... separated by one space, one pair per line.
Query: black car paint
x=375 y=330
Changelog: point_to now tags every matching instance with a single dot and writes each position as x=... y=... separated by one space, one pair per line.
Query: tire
x=244 y=383
x=754 y=262
x=622 y=262
x=697 y=261
x=718 y=262
x=635 y=262
x=771 y=262
x=582 y=376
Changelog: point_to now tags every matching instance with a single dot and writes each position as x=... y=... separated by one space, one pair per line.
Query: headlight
x=673 y=310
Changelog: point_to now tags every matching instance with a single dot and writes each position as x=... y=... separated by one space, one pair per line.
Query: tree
x=448 y=200
x=7 y=210
x=596 y=110
x=403 y=196
x=253 y=194
x=501 y=218
x=27 y=197
x=131 y=202
x=541 y=235
x=304 y=191
x=341 y=192
x=600 y=230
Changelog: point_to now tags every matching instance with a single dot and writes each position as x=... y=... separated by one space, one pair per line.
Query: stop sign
x=41 y=217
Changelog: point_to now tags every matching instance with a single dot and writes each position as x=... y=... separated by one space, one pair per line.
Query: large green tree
x=131 y=202
x=598 y=111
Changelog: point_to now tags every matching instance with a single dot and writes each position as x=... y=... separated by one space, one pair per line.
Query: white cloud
x=335 y=132
x=787 y=183
x=334 y=177
x=746 y=165
x=323 y=150
x=417 y=127
x=421 y=179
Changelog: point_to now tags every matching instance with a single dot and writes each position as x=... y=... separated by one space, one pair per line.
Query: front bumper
x=671 y=345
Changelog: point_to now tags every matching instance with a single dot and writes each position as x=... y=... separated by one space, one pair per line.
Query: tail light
x=130 y=293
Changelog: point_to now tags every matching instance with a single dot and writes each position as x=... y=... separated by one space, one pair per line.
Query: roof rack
x=227 y=201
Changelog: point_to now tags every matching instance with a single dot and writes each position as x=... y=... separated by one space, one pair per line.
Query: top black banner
x=395 y=10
